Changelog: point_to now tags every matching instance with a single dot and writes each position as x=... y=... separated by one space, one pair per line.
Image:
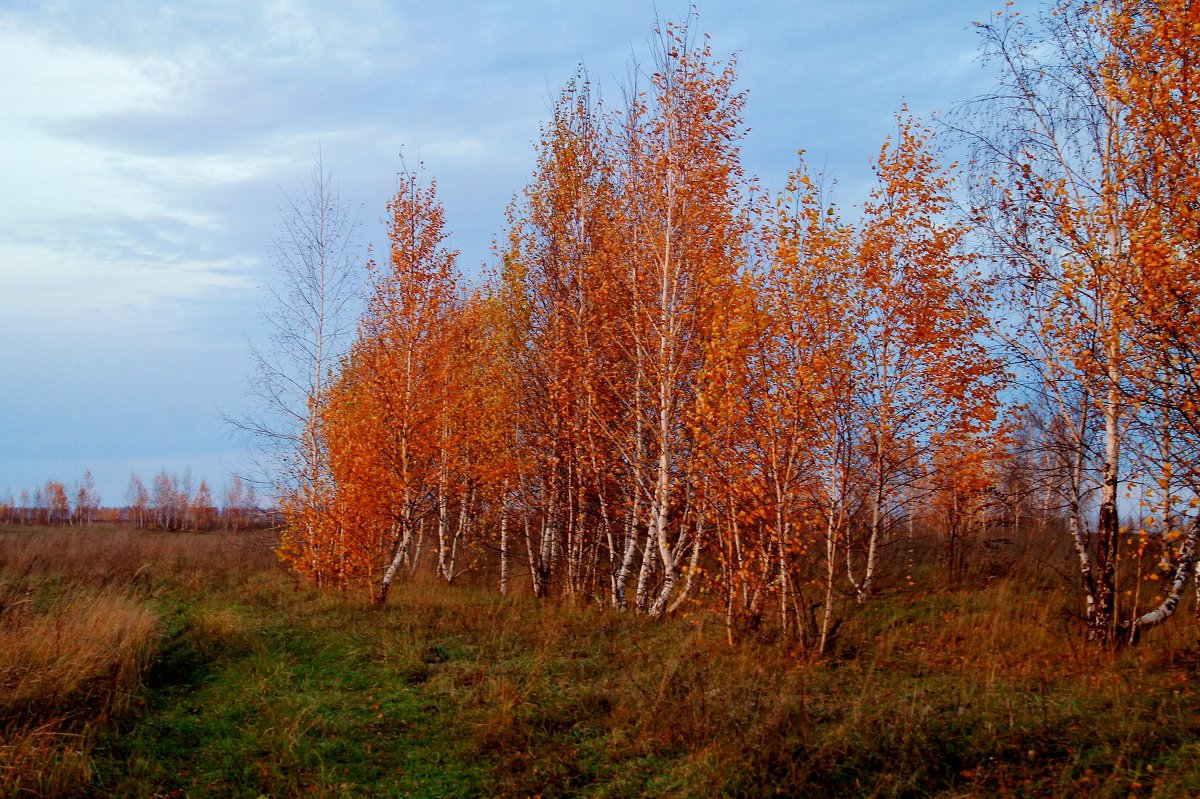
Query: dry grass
x=81 y=649
x=981 y=690
x=262 y=686
x=66 y=666
x=78 y=631
x=123 y=556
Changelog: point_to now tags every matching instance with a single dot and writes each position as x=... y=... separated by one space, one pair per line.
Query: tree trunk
x=830 y=573
x=1183 y=570
x=1103 y=622
x=503 y=552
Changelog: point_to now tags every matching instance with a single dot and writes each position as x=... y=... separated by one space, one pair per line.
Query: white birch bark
x=830 y=575
x=504 y=539
x=1183 y=570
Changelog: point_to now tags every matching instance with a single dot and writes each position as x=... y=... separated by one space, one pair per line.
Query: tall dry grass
x=124 y=556
x=81 y=650
x=987 y=688
x=67 y=665
x=78 y=632
x=983 y=687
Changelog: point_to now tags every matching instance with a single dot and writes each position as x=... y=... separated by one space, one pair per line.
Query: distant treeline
x=171 y=502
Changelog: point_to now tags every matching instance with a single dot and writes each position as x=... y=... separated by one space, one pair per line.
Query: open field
x=169 y=664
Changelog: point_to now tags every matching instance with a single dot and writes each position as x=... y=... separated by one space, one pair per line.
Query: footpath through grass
x=280 y=695
x=257 y=686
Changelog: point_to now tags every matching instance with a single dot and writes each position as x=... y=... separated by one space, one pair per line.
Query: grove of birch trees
x=674 y=389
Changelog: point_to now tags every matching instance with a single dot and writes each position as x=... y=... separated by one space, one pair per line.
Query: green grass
x=286 y=709
x=260 y=686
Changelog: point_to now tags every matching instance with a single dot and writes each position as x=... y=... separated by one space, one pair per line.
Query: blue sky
x=146 y=148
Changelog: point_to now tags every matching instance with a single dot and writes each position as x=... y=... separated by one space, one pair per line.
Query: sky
x=146 y=149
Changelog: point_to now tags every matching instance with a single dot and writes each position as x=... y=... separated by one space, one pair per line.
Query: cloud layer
x=147 y=147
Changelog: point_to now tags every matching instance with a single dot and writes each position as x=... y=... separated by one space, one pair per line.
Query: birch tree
x=137 y=499
x=779 y=417
x=1091 y=202
x=311 y=312
x=681 y=182
x=1051 y=144
x=1158 y=47
x=87 y=498
x=558 y=276
x=387 y=418
x=569 y=351
x=926 y=381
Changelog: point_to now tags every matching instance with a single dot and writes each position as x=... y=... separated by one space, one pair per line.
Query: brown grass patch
x=66 y=666
x=78 y=632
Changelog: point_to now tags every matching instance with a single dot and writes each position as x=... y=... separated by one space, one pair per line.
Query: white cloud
x=41 y=80
x=88 y=224
x=49 y=177
x=124 y=299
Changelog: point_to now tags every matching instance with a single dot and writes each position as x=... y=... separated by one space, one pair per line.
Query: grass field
x=171 y=664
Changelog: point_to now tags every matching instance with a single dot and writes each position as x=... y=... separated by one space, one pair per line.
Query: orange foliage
x=668 y=388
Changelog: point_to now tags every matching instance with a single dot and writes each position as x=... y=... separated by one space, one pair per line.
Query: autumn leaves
x=673 y=389
x=670 y=387
x=863 y=385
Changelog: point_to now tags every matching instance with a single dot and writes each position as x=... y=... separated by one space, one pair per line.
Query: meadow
x=141 y=663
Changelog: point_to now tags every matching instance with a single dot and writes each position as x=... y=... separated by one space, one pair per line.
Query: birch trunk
x=1078 y=535
x=1183 y=570
x=830 y=574
x=504 y=552
x=443 y=520
x=622 y=576
x=534 y=573
x=420 y=545
x=393 y=568
x=1103 y=622
x=641 y=598
x=693 y=561
x=667 y=322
